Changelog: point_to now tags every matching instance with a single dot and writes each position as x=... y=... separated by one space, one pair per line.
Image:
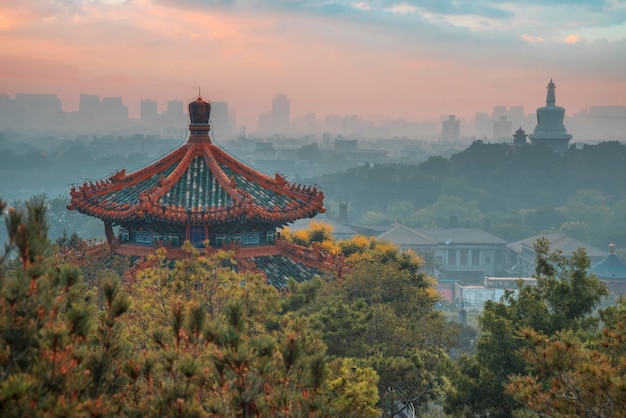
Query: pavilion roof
x=611 y=268
x=198 y=183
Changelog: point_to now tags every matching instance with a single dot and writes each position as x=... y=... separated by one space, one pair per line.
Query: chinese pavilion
x=197 y=193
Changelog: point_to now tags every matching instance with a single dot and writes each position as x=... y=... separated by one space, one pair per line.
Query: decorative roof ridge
x=227 y=183
x=165 y=183
x=151 y=169
x=81 y=196
x=308 y=208
x=277 y=184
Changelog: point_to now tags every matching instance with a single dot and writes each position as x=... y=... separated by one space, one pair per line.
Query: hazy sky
x=410 y=59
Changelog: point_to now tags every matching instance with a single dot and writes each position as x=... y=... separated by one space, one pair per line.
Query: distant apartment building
x=280 y=114
x=34 y=111
x=600 y=123
x=173 y=118
x=482 y=125
x=502 y=128
x=148 y=112
x=108 y=113
x=450 y=129
x=516 y=116
x=114 y=112
x=499 y=111
x=333 y=123
x=220 y=125
x=265 y=123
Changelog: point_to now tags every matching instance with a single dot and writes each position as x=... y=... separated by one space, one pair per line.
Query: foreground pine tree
x=61 y=344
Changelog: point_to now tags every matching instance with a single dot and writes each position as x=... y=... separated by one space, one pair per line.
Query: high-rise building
x=502 y=128
x=450 y=129
x=232 y=121
x=482 y=125
x=516 y=115
x=498 y=111
x=265 y=123
x=148 y=111
x=550 y=130
x=106 y=114
x=174 y=108
x=38 y=110
x=89 y=104
x=219 y=120
x=114 y=113
x=280 y=113
x=173 y=116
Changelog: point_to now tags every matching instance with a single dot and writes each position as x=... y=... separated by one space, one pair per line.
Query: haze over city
x=383 y=59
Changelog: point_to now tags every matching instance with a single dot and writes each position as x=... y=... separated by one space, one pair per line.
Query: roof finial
x=199 y=95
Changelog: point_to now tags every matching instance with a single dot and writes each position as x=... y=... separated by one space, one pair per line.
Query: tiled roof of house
x=198 y=184
x=402 y=235
x=611 y=268
x=567 y=245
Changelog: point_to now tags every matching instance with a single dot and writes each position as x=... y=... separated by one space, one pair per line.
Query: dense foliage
x=562 y=303
x=196 y=337
x=513 y=193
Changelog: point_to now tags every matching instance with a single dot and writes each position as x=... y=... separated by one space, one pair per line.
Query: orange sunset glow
x=371 y=58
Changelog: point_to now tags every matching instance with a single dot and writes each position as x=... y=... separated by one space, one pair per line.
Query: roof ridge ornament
x=199 y=114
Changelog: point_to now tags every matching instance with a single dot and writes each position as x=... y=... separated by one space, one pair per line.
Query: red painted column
x=108 y=232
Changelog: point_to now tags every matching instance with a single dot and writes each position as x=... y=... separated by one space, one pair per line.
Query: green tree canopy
x=563 y=299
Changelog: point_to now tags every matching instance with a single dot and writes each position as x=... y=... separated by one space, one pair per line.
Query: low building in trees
x=521 y=254
x=464 y=255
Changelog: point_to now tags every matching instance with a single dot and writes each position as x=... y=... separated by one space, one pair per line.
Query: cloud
x=362 y=5
x=327 y=54
x=402 y=9
x=573 y=38
x=531 y=38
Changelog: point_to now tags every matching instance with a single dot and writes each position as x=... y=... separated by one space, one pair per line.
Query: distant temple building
x=550 y=130
x=611 y=271
x=519 y=137
x=201 y=194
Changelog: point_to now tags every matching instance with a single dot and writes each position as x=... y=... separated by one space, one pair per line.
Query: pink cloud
x=326 y=65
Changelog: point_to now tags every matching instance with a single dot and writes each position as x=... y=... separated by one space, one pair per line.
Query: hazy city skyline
x=369 y=58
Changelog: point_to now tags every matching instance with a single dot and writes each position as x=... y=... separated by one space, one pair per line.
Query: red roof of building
x=197 y=184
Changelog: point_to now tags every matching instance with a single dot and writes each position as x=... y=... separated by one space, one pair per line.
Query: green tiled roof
x=263 y=197
x=197 y=188
x=279 y=268
x=130 y=194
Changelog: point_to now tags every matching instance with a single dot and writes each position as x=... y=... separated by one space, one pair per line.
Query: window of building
x=475 y=257
x=463 y=257
x=452 y=257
